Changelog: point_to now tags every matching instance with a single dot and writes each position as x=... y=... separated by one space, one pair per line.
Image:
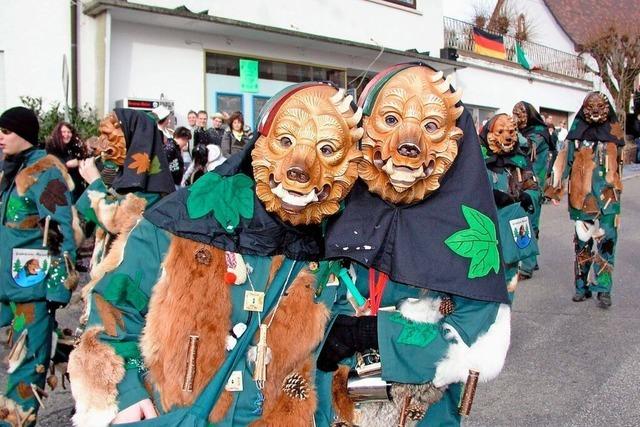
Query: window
x=480 y=114
x=258 y=103
x=228 y=102
x=274 y=70
x=407 y=3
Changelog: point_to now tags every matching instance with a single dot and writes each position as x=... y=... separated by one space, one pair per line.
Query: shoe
x=536 y=267
x=522 y=275
x=578 y=297
x=604 y=299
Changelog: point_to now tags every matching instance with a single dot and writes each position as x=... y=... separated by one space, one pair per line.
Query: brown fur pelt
x=29 y=175
x=13 y=414
x=612 y=177
x=297 y=329
x=580 y=180
x=95 y=370
x=342 y=403
x=189 y=299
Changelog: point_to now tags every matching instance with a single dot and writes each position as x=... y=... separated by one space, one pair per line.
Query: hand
x=142 y=410
x=348 y=334
x=73 y=163
x=88 y=170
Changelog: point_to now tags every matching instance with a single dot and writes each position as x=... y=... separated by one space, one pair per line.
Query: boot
x=579 y=297
x=604 y=299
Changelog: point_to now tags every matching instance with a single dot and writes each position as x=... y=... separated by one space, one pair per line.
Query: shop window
x=258 y=103
x=480 y=114
x=228 y=102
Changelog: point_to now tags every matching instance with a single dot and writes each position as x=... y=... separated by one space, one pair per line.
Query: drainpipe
x=74 y=54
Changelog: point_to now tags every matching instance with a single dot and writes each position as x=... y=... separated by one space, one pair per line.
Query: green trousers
x=39 y=323
x=601 y=260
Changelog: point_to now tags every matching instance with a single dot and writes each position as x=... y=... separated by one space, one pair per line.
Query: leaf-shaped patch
x=140 y=163
x=155 y=166
x=122 y=289
x=414 y=333
x=54 y=195
x=229 y=198
x=477 y=242
x=604 y=279
x=18 y=323
x=16 y=206
x=126 y=349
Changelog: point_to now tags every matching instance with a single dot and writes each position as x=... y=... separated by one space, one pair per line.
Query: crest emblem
x=521 y=231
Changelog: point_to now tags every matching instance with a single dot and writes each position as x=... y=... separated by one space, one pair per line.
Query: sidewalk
x=631 y=171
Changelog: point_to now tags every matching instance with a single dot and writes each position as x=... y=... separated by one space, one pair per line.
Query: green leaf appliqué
x=229 y=198
x=155 y=166
x=414 y=333
x=478 y=242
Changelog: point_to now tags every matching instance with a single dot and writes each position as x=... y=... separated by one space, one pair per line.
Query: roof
x=581 y=18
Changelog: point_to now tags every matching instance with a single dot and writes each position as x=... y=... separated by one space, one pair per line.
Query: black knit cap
x=22 y=121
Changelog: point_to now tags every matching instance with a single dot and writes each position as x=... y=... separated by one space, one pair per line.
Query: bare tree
x=616 y=51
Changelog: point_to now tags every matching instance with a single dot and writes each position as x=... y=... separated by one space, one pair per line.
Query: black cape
x=264 y=234
x=407 y=242
x=581 y=130
x=536 y=125
x=144 y=138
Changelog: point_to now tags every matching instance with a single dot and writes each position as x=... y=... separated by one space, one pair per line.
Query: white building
x=188 y=51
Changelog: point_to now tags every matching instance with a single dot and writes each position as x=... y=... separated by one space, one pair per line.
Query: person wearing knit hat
x=36 y=258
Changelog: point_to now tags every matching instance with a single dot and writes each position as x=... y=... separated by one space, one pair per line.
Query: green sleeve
x=119 y=303
x=54 y=200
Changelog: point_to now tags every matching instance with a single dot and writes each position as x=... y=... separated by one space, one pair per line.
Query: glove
x=347 y=335
x=54 y=237
x=526 y=202
x=502 y=199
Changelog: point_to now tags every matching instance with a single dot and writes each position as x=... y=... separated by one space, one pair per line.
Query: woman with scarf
x=423 y=302
x=594 y=158
x=219 y=302
x=37 y=258
x=538 y=145
x=515 y=191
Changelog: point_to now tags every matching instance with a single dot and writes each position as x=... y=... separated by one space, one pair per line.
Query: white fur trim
x=486 y=355
x=423 y=310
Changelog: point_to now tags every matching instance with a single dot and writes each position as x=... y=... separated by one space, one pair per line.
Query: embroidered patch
x=19 y=320
x=229 y=198
x=155 y=168
x=29 y=266
x=17 y=207
x=604 y=279
x=478 y=242
x=521 y=231
x=54 y=195
x=141 y=163
x=414 y=333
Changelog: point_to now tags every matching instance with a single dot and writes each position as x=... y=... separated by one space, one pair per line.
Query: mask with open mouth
x=306 y=162
x=410 y=136
x=596 y=108
x=502 y=136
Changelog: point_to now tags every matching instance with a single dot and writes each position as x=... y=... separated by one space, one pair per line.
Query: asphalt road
x=570 y=364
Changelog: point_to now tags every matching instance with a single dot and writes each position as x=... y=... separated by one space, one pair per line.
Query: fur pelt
x=78 y=233
x=193 y=299
x=580 y=180
x=423 y=310
x=486 y=355
x=342 y=403
x=29 y=175
x=95 y=370
x=513 y=283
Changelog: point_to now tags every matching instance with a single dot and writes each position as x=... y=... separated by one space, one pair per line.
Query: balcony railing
x=459 y=35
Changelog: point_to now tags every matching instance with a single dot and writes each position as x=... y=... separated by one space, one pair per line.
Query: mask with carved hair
x=520 y=115
x=411 y=138
x=502 y=136
x=111 y=144
x=596 y=108
x=306 y=162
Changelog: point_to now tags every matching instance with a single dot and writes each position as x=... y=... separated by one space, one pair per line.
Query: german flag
x=488 y=44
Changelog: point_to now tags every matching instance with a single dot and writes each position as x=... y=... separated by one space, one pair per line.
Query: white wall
x=546 y=30
x=34 y=35
x=356 y=20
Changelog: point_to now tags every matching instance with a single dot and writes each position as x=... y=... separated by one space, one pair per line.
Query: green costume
x=537 y=147
x=36 y=277
x=593 y=160
x=516 y=193
x=426 y=296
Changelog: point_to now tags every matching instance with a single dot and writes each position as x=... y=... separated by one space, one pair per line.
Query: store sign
x=249 y=75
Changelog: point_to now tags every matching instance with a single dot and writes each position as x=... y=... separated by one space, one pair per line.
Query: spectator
x=163 y=115
x=235 y=138
x=182 y=136
x=201 y=122
x=216 y=131
x=205 y=159
x=174 y=156
x=200 y=136
x=192 y=118
x=65 y=144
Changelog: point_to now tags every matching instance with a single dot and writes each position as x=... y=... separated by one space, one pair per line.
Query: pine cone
x=415 y=413
x=295 y=386
x=447 y=306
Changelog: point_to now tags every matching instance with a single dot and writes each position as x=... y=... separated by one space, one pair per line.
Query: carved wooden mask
x=111 y=144
x=595 y=108
x=502 y=136
x=520 y=115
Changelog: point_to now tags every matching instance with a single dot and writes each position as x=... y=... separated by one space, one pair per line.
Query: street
x=570 y=364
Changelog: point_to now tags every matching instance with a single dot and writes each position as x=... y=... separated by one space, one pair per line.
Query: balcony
x=459 y=35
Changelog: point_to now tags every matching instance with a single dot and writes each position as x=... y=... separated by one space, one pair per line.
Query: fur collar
x=29 y=175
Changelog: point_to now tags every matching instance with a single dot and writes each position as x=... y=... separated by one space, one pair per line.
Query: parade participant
x=515 y=191
x=131 y=174
x=595 y=143
x=427 y=297
x=214 y=263
x=532 y=126
x=37 y=258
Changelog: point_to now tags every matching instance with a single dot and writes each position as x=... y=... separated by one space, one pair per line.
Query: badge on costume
x=253 y=301
x=29 y=266
x=521 y=231
x=235 y=381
